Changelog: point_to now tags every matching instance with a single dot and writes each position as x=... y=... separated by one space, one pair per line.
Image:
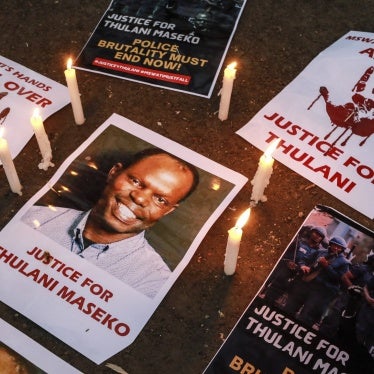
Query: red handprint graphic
x=356 y=116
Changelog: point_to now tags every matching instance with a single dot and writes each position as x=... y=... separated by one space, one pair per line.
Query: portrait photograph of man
x=104 y=240
x=113 y=194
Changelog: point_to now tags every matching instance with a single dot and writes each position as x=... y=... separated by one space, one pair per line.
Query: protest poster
x=174 y=44
x=20 y=354
x=150 y=217
x=325 y=119
x=22 y=91
x=315 y=320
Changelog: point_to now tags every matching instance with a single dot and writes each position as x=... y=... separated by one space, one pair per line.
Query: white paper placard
x=86 y=304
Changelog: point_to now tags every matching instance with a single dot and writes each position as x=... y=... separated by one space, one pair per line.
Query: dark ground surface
x=274 y=41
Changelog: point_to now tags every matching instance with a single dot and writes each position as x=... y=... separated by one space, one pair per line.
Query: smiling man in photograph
x=111 y=235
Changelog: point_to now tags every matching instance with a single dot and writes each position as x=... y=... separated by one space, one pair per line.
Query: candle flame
x=70 y=63
x=272 y=147
x=242 y=220
x=232 y=65
x=36 y=112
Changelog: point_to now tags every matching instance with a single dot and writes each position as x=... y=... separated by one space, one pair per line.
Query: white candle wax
x=75 y=97
x=42 y=139
x=232 y=250
x=262 y=177
x=233 y=243
x=228 y=82
x=9 y=168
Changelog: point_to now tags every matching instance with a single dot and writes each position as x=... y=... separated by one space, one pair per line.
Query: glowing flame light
x=69 y=64
x=232 y=65
x=272 y=147
x=242 y=220
x=36 y=112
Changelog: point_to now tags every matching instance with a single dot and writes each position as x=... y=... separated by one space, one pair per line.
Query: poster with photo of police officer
x=173 y=44
x=315 y=311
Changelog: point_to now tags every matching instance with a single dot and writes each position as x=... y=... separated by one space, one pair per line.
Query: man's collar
x=80 y=223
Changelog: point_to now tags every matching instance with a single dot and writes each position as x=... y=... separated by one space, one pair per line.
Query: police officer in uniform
x=324 y=281
x=294 y=264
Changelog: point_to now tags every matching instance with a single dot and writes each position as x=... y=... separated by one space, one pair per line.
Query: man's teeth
x=125 y=212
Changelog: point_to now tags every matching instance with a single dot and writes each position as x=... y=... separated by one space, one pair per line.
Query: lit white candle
x=233 y=243
x=263 y=174
x=42 y=139
x=9 y=168
x=75 y=97
x=228 y=82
